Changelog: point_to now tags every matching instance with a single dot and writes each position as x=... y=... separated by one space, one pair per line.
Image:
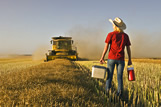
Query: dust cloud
x=146 y=45
x=39 y=53
x=90 y=43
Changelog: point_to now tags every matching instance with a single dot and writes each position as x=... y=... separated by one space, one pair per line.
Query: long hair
x=118 y=29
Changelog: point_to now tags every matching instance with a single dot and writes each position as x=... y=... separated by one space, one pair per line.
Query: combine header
x=62 y=47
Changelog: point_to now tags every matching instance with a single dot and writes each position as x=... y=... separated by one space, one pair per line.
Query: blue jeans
x=120 y=68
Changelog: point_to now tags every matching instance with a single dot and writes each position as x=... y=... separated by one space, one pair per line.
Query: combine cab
x=62 y=48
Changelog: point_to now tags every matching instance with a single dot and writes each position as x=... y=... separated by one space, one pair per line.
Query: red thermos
x=131 y=75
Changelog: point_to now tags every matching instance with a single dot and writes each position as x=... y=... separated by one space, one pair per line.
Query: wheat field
x=17 y=63
x=145 y=90
x=64 y=83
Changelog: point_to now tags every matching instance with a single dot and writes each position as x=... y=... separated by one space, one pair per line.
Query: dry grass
x=55 y=83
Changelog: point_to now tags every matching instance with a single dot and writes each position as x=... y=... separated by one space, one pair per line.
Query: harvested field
x=55 y=83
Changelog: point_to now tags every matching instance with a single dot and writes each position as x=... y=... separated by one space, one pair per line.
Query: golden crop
x=145 y=90
x=16 y=64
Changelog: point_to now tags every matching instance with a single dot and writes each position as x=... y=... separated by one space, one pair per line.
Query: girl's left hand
x=129 y=62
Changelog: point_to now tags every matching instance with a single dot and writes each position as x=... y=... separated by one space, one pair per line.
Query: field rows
x=56 y=83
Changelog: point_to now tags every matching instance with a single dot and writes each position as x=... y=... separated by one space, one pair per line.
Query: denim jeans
x=120 y=68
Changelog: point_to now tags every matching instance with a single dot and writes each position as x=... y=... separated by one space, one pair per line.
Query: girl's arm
x=104 y=53
x=129 y=55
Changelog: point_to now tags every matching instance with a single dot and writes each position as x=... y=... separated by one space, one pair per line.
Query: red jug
x=131 y=75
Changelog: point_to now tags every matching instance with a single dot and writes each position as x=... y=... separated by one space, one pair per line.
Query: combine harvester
x=62 y=47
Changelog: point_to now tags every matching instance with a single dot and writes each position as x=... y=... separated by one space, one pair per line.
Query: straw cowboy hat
x=118 y=22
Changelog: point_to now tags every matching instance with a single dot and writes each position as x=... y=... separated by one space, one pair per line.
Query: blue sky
x=27 y=24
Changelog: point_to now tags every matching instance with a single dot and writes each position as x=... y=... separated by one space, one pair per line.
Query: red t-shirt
x=117 y=42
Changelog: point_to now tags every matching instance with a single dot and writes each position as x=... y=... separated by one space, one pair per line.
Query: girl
x=117 y=40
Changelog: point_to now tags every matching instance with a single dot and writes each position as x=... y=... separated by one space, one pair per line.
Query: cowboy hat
x=118 y=22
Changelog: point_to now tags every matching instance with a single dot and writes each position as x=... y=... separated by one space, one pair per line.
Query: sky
x=27 y=25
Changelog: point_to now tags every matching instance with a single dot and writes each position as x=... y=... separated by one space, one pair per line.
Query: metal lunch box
x=99 y=71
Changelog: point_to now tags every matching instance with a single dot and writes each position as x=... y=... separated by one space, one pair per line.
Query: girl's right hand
x=102 y=61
